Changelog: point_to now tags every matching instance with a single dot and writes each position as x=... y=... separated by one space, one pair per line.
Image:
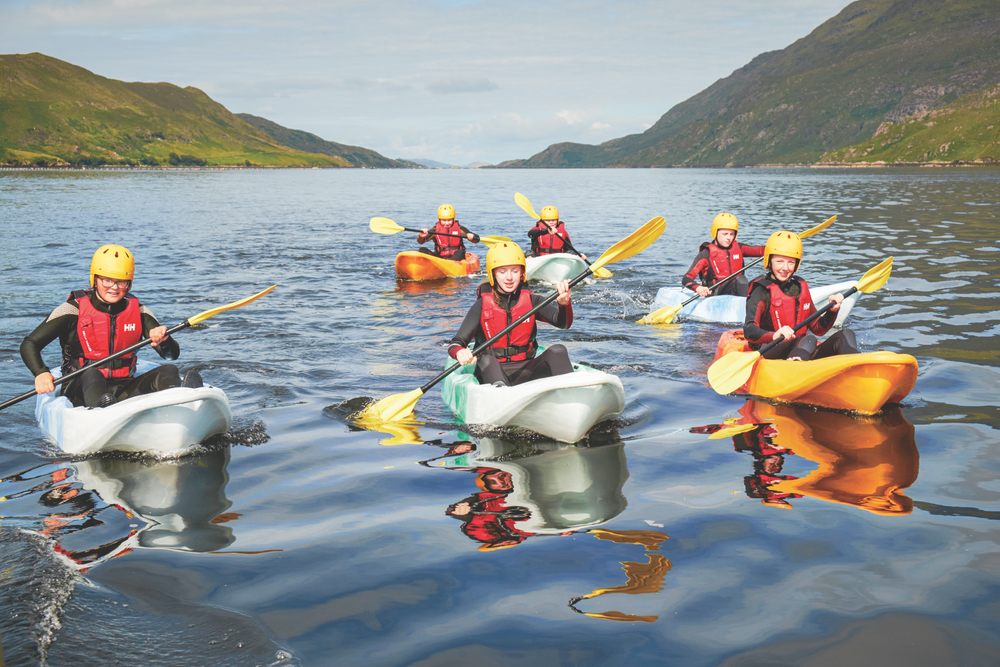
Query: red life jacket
x=103 y=334
x=519 y=344
x=723 y=262
x=787 y=310
x=549 y=244
x=447 y=240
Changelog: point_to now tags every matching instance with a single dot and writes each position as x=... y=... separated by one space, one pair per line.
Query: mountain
x=433 y=164
x=52 y=112
x=310 y=143
x=876 y=61
x=966 y=131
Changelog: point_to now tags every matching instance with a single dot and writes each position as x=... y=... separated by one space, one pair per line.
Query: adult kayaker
x=511 y=360
x=449 y=236
x=549 y=236
x=780 y=299
x=96 y=322
x=720 y=258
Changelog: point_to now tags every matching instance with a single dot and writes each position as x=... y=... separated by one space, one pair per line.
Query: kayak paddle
x=526 y=206
x=398 y=406
x=387 y=226
x=667 y=314
x=191 y=321
x=733 y=370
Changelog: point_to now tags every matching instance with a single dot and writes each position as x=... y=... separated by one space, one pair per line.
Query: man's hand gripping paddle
x=387 y=226
x=526 y=206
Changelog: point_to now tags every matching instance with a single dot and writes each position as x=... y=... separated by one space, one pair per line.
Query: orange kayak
x=413 y=265
x=857 y=382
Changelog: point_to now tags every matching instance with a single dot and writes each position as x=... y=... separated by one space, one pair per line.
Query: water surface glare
x=810 y=538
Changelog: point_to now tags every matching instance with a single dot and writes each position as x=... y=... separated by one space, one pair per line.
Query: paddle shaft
x=806 y=321
x=510 y=327
x=69 y=376
x=431 y=232
x=725 y=280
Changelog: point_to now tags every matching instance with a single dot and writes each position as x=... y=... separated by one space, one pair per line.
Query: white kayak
x=554 y=268
x=171 y=422
x=562 y=407
x=728 y=309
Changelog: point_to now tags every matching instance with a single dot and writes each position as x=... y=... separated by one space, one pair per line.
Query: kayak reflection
x=863 y=462
x=536 y=488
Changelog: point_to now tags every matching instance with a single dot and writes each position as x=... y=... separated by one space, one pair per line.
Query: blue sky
x=457 y=81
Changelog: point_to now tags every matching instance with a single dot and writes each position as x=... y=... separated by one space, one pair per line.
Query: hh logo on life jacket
x=805 y=306
x=129 y=327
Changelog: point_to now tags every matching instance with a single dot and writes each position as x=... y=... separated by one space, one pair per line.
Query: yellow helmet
x=725 y=221
x=503 y=254
x=446 y=212
x=112 y=261
x=783 y=243
x=549 y=213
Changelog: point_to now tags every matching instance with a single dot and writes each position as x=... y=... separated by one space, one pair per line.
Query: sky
x=457 y=81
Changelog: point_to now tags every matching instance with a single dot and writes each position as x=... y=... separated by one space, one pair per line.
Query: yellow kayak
x=414 y=265
x=857 y=382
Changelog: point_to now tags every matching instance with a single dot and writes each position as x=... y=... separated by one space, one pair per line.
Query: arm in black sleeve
x=44 y=333
x=467 y=332
x=168 y=349
x=475 y=237
x=554 y=314
x=535 y=232
x=756 y=307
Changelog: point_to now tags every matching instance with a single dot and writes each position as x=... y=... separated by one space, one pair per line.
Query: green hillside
x=967 y=131
x=310 y=143
x=52 y=112
x=876 y=61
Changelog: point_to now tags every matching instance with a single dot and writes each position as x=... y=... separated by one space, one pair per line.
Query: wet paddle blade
x=525 y=205
x=384 y=226
x=732 y=371
x=730 y=431
x=818 y=228
x=876 y=277
x=201 y=317
x=632 y=244
x=602 y=273
x=663 y=315
x=390 y=408
x=490 y=241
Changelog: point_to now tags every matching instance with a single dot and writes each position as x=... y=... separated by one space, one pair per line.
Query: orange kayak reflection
x=864 y=462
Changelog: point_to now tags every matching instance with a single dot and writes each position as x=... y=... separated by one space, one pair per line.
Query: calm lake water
x=301 y=541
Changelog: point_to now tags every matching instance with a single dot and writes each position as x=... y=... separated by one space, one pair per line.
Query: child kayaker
x=511 y=360
x=780 y=299
x=720 y=258
x=93 y=324
x=549 y=236
x=449 y=236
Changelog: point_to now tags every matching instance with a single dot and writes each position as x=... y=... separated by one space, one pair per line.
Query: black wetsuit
x=88 y=387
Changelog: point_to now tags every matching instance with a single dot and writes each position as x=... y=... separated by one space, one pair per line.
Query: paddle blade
x=632 y=244
x=490 y=241
x=384 y=226
x=664 y=315
x=730 y=431
x=201 y=317
x=390 y=408
x=876 y=277
x=732 y=371
x=525 y=205
x=603 y=273
x=818 y=228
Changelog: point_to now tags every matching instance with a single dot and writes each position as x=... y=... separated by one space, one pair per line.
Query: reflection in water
x=402 y=432
x=531 y=488
x=101 y=508
x=864 y=462
x=642 y=577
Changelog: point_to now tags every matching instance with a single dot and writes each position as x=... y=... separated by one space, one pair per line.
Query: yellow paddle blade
x=490 y=241
x=876 y=277
x=732 y=371
x=663 y=315
x=632 y=244
x=730 y=431
x=525 y=205
x=384 y=226
x=602 y=273
x=390 y=408
x=201 y=317
x=818 y=228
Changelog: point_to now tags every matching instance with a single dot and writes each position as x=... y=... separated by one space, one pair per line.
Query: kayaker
x=780 y=299
x=720 y=258
x=549 y=236
x=511 y=360
x=449 y=236
x=96 y=322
